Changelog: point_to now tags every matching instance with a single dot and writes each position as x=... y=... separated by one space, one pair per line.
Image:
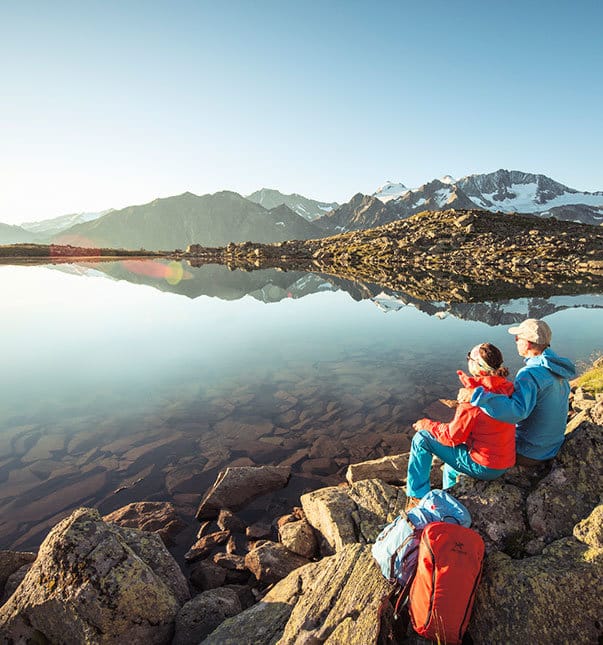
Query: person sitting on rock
x=473 y=443
x=540 y=401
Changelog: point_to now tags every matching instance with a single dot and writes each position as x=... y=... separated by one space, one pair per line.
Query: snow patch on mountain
x=527 y=196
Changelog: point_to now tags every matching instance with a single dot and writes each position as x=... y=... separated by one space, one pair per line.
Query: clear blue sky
x=112 y=103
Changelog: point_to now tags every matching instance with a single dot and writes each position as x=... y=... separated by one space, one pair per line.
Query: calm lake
x=125 y=381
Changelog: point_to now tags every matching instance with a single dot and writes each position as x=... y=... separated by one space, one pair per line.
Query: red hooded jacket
x=490 y=442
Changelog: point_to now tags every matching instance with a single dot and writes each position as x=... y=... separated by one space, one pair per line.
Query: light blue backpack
x=397 y=546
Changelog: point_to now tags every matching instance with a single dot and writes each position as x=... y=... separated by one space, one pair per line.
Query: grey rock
x=391 y=469
x=259 y=531
x=14 y=580
x=299 y=538
x=347 y=515
x=203 y=546
x=207 y=575
x=337 y=602
x=10 y=561
x=228 y=521
x=201 y=615
x=236 y=487
x=572 y=488
x=261 y=624
x=590 y=530
x=272 y=562
x=551 y=598
x=150 y=549
x=496 y=509
x=90 y=584
x=333 y=601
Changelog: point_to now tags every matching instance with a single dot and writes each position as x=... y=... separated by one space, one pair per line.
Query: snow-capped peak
x=448 y=179
x=390 y=190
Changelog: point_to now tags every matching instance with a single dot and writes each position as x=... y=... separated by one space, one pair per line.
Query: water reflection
x=114 y=391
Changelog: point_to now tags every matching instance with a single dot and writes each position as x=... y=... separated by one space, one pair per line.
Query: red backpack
x=442 y=593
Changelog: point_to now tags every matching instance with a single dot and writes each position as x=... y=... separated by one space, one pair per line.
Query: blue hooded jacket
x=538 y=405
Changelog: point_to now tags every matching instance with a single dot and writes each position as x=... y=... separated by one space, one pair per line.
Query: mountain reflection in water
x=113 y=392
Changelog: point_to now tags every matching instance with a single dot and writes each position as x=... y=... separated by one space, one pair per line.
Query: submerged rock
x=96 y=583
x=236 y=487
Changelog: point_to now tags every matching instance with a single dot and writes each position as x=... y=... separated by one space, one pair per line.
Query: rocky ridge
x=444 y=255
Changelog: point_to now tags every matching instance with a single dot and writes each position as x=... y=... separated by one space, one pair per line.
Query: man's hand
x=464 y=395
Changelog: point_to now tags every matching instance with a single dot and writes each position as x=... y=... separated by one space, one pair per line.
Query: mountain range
x=270 y=216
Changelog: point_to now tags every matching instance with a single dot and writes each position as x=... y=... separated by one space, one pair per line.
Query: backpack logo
x=458 y=547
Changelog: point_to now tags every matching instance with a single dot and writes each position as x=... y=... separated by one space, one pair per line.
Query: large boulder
x=236 y=487
x=201 y=615
x=554 y=597
x=158 y=517
x=96 y=583
x=572 y=488
x=349 y=514
x=333 y=601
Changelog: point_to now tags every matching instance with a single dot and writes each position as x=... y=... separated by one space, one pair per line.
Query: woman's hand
x=464 y=394
x=420 y=425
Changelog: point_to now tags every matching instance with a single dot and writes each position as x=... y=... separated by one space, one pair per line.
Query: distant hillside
x=16 y=235
x=175 y=222
x=309 y=209
x=50 y=227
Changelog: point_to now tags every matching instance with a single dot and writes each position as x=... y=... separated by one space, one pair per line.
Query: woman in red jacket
x=473 y=443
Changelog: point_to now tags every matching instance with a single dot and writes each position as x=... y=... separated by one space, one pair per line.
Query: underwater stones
x=93 y=583
x=235 y=487
x=158 y=517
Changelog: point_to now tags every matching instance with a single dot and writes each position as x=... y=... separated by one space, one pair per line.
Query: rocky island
x=453 y=255
x=309 y=575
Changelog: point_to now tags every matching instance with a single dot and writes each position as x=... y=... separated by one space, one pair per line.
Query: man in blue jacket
x=539 y=404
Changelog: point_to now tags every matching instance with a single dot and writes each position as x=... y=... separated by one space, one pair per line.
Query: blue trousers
x=455 y=458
